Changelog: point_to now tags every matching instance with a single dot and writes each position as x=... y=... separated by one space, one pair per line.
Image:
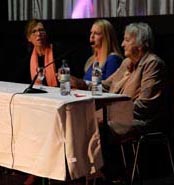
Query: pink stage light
x=83 y=9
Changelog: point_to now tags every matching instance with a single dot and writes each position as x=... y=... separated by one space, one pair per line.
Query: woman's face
x=38 y=35
x=131 y=49
x=96 y=37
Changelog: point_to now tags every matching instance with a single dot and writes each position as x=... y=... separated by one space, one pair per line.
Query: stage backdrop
x=63 y=9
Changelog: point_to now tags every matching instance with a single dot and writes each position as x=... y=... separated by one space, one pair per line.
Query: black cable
x=12 y=131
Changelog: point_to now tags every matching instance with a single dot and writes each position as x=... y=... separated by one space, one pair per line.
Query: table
x=39 y=131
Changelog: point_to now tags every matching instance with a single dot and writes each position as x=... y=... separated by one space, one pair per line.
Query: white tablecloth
x=38 y=131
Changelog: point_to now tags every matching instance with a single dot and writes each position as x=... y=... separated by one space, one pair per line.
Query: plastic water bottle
x=96 y=79
x=64 y=79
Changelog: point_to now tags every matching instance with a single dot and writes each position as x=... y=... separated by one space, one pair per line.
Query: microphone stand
x=30 y=88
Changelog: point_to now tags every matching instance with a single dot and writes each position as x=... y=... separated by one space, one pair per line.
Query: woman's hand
x=77 y=83
x=74 y=82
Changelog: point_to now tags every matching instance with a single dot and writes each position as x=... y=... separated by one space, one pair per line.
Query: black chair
x=137 y=144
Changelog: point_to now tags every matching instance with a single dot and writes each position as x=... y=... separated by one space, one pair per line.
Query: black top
x=76 y=58
x=22 y=70
x=41 y=60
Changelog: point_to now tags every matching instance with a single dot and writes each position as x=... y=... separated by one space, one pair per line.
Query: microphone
x=30 y=88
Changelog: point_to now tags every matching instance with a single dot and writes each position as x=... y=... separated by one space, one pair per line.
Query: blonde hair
x=109 y=44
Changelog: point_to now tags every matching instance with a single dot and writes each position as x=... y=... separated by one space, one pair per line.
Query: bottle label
x=64 y=77
x=96 y=80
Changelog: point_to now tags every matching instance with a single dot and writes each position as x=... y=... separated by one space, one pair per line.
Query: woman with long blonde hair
x=106 y=51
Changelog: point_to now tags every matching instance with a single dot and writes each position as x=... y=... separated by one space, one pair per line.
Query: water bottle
x=64 y=79
x=96 y=80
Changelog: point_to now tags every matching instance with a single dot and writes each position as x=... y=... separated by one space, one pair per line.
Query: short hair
x=143 y=33
x=31 y=24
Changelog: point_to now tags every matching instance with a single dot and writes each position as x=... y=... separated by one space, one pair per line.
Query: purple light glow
x=83 y=9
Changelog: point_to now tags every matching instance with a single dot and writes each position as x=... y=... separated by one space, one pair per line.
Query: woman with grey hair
x=140 y=76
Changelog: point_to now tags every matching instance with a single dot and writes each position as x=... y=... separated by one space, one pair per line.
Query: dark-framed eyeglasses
x=40 y=30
